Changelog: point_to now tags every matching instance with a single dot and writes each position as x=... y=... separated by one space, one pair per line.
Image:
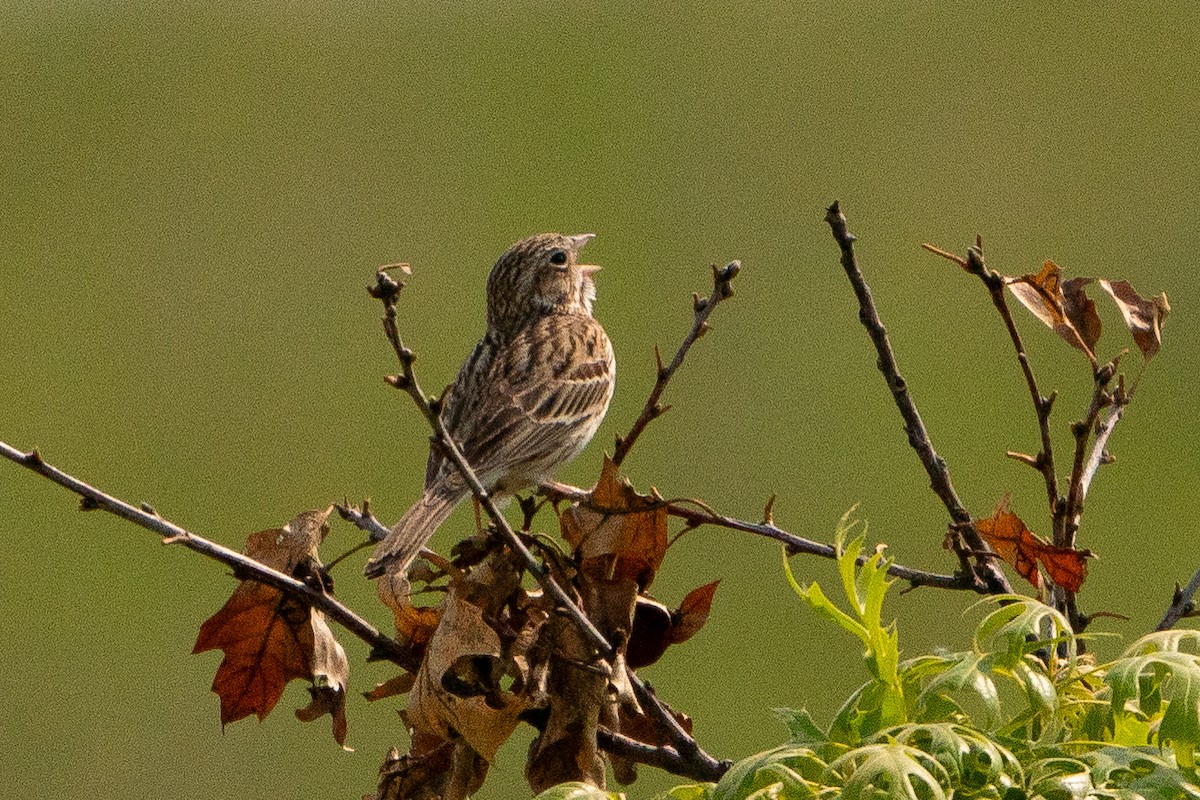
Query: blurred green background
x=196 y=194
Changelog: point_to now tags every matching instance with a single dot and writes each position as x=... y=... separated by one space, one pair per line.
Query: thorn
x=620 y=441
x=1177 y=598
x=174 y=539
x=699 y=303
x=1079 y=429
x=768 y=517
x=149 y=509
x=659 y=409
x=435 y=404
x=34 y=458
x=979 y=243
x=396 y=381
x=1107 y=457
x=703 y=329
x=662 y=372
x=88 y=503
x=731 y=271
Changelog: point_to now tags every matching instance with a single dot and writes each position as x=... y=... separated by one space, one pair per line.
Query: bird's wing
x=541 y=400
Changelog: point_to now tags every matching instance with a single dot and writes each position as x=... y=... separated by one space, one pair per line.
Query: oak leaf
x=269 y=638
x=1064 y=307
x=1142 y=316
x=619 y=532
x=1024 y=551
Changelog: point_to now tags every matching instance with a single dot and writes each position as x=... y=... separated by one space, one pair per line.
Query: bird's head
x=538 y=276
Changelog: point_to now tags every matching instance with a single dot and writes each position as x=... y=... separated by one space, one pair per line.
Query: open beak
x=578 y=241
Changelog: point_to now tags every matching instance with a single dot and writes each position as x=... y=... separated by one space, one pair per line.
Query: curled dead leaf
x=619 y=532
x=1064 y=307
x=1143 y=316
x=1024 y=551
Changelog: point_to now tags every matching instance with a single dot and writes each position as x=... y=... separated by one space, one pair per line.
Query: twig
x=1099 y=455
x=363 y=519
x=664 y=757
x=1042 y=405
x=1082 y=431
x=1183 y=604
x=695 y=517
x=681 y=740
x=703 y=308
x=918 y=437
x=387 y=290
x=244 y=567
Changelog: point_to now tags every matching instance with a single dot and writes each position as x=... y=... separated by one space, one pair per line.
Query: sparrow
x=528 y=398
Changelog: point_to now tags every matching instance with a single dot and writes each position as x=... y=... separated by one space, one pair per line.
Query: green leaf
x=891 y=772
x=1021 y=626
x=1162 y=683
x=1061 y=778
x=976 y=765
x=688 y=791
x=941 y=678
x=1140 y=769
x=799 y=765
x=802 y=728
x=577 y=791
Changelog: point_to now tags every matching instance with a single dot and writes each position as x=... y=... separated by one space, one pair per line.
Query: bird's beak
x=588 y=269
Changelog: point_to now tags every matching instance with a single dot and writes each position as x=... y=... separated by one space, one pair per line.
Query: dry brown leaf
x=656 y=627
x=693 y=612
x=621 y=533
x=1023 y=550
x=462 y=636
x=269 y=639
x=1081 y=311
x=1142 y=316
x=1074 y=319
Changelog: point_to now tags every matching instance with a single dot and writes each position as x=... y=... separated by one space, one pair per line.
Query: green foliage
x=1020 y=716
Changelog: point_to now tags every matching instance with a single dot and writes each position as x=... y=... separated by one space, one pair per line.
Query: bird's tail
x=404 y=542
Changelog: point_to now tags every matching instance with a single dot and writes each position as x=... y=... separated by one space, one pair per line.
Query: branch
x=387 y=290
x=664 y=757
x=703 y=308
x=918 y=437
x=1183 y=604
x=1042 y=405
x=1082 y=431
x=681 y=741
x=244 y=567
x=702 y=515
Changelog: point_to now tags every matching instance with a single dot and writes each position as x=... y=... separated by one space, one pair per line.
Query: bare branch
x=918 y=437
x=696 y=514
x=664 y=757
x=1183 y=604
x=702 y=308
x=680 y=739
x=244 y=567
x=387 y=290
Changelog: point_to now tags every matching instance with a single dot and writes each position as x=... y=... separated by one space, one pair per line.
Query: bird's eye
x=558 y=258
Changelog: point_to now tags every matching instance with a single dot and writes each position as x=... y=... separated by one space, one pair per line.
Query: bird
x=527 y=399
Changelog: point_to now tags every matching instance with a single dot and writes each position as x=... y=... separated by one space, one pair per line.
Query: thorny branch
x=703 y=308
x=989 y=575
x=1183 y=604
x=387 y=290
x=1042 y=404
x=697 y=515
x=244 y=567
